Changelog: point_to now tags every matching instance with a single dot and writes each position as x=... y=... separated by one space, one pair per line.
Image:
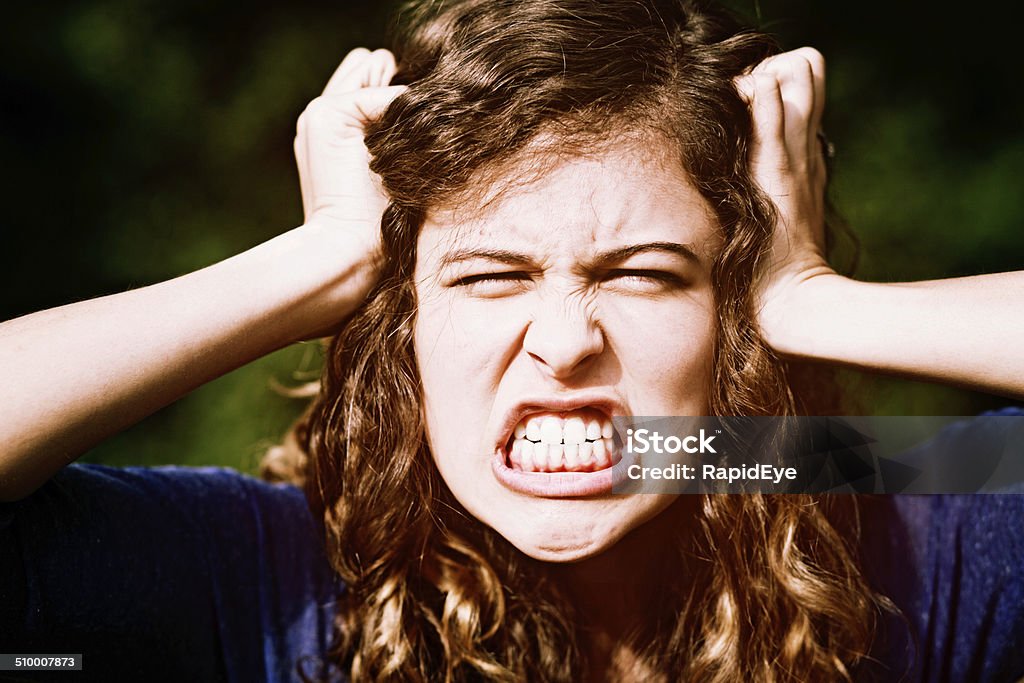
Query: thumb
x=368 y=104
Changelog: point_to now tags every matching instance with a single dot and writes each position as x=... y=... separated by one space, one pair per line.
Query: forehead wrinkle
x=496 y=238
x=547 y=154
x=611 y=214
x=620 y=210
x=446 y=243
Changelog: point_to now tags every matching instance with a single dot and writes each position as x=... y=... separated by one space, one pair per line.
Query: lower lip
x=552 y=484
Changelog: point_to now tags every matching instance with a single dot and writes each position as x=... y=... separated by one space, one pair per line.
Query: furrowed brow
x=618 y=255
x=512 y=258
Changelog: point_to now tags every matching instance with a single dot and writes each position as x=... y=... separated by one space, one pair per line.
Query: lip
x=554 y=484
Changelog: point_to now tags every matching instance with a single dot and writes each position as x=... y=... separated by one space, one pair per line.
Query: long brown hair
x=771 y=589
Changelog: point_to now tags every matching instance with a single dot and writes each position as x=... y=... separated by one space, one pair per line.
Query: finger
x=302 y=165
x=379 y=69
x=362 y=69
x=815 y=148
x=349 y=75
x=768 y=150
x=344 y=116
x=817 y=62
x=369 y=103
x=796 y=84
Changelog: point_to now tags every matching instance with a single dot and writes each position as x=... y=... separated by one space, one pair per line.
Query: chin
x=559 y=550
x=571 y=531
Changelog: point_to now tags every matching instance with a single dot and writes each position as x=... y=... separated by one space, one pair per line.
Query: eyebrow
x=686 y=251
x=515 y=258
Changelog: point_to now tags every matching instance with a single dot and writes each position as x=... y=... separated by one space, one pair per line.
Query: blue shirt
x=181 y=574
x=165 y=573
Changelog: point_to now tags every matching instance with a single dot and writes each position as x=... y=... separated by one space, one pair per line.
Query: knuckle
x=744 y=85
x=795 y=69
x=314 y=107
x=803 y=66
x=814 y=58
x=765 y=84
x=800 y=72
x=316 y=111
x=798 y=63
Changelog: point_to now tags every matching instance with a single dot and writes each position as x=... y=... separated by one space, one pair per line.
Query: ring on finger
x=828 y=147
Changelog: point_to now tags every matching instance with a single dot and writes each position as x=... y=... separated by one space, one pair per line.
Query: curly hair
x=772 y=591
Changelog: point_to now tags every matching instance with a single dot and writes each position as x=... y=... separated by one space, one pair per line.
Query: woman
x=571 y=229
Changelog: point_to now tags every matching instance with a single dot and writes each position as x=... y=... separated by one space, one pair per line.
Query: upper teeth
x=573 y=428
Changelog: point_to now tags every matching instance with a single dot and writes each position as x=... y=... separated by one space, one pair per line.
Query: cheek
x=462 y=340
x=464 y=346
x=462 y=351
x=665 y=346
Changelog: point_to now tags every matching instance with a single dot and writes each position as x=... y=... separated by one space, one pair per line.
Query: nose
x=563 y=336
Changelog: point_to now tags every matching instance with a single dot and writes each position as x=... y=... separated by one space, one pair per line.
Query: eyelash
x=658 y=275
x=483 y=277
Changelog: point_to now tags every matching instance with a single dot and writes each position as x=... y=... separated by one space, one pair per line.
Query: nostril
x=562 y=345
x=562 y=366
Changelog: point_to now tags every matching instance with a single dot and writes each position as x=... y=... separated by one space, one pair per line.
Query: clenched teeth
x=588 y=456
x=575 y=427
x=576 y=441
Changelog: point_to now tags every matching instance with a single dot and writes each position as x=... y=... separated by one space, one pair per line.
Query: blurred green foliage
x=144 y=139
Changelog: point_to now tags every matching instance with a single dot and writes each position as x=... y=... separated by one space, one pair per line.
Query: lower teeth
x=534 y=456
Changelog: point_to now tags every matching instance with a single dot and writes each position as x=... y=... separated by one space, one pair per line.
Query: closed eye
x=640 y=275
x=488 y=277
x=494 y=285
x=512 y=282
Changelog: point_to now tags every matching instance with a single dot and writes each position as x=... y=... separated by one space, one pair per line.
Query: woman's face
x=563 y=301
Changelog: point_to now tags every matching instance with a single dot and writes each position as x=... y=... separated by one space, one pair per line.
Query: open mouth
x=580 y=440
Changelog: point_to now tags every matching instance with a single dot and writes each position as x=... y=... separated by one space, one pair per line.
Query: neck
x=614 y=592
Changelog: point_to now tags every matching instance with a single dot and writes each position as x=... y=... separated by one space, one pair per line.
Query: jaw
x=572 y=530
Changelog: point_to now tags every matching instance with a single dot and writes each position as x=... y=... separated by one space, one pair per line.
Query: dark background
x=142 y=139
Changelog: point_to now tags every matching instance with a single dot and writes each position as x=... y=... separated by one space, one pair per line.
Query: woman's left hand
x=955 y=330
x=786 y=94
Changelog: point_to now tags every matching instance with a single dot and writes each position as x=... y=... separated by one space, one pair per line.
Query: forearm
x=965 y=331
x=77 y=374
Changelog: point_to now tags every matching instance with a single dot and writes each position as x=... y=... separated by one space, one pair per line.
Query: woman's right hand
x=113 y=360
x=340 y=195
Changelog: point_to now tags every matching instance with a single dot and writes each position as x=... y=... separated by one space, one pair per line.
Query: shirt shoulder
x=954 y=566
x=204 y=572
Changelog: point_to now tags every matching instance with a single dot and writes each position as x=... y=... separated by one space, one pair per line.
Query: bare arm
x=965 y=331
x=77 y=374
x=962 y=331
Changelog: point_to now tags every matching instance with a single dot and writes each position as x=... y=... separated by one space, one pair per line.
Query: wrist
x=305 y=282
x=797 y=314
